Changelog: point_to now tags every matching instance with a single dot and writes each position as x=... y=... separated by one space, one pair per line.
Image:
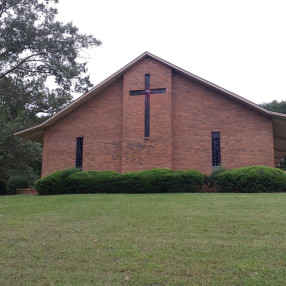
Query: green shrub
x=251 y=180
x=149 y=181
x=2 y=188
x=133 y=182
x=162 y=181
x=210 y=180
x=14 y=183
x=81 y=182
x=95 y=182
x=56 y=183
x=192 y=180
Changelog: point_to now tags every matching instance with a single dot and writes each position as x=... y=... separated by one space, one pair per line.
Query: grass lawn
x=161 y=239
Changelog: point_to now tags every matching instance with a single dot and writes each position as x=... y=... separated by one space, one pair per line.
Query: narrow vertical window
x=216 y=158
x=79 y=151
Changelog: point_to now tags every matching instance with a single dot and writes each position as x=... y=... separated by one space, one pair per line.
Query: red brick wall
x=181 y=122
x=140 y=153
x=99 y=122
x=246 y=135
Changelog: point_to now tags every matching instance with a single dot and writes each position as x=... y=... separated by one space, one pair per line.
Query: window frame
x=216 y=149
x=79 y=152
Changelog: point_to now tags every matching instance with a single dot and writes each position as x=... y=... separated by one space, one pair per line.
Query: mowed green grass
x=150 y=239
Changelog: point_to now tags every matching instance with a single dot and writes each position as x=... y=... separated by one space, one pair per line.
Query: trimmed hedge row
x=243 y=180
x=150 y=181
x=251 y=180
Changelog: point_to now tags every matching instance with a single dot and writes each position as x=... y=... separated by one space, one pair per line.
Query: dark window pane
x=147 y=81
x=216 y=158
x=79 y=151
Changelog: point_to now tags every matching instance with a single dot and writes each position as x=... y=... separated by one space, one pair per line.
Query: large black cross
x=147 y=92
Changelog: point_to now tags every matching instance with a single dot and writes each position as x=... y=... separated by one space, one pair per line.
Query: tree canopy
x=35 y=49
x=276 y=106
x=40 y=67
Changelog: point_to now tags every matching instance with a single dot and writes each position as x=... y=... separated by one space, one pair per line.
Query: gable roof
x=279 y=120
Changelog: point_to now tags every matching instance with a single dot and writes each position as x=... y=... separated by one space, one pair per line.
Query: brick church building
x=152 y=114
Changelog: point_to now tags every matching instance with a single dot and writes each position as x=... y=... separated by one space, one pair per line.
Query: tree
x=40 y=67
x=17 y=156
x=34 y=48
x=276 y=106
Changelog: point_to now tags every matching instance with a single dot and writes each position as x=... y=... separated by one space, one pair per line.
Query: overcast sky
x=239 y=45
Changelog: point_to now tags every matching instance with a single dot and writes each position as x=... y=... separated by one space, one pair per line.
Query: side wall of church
x=99 y=122
x=245 y=134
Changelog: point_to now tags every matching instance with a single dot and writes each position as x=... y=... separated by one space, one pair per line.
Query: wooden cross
x=147 y=92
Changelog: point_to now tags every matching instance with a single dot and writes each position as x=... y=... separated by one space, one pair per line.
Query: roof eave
x=35 y=133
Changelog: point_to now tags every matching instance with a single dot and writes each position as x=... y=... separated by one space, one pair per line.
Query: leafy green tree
x=276 y=106
x=35 y=49
x=40 y=67
x=17 y=156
